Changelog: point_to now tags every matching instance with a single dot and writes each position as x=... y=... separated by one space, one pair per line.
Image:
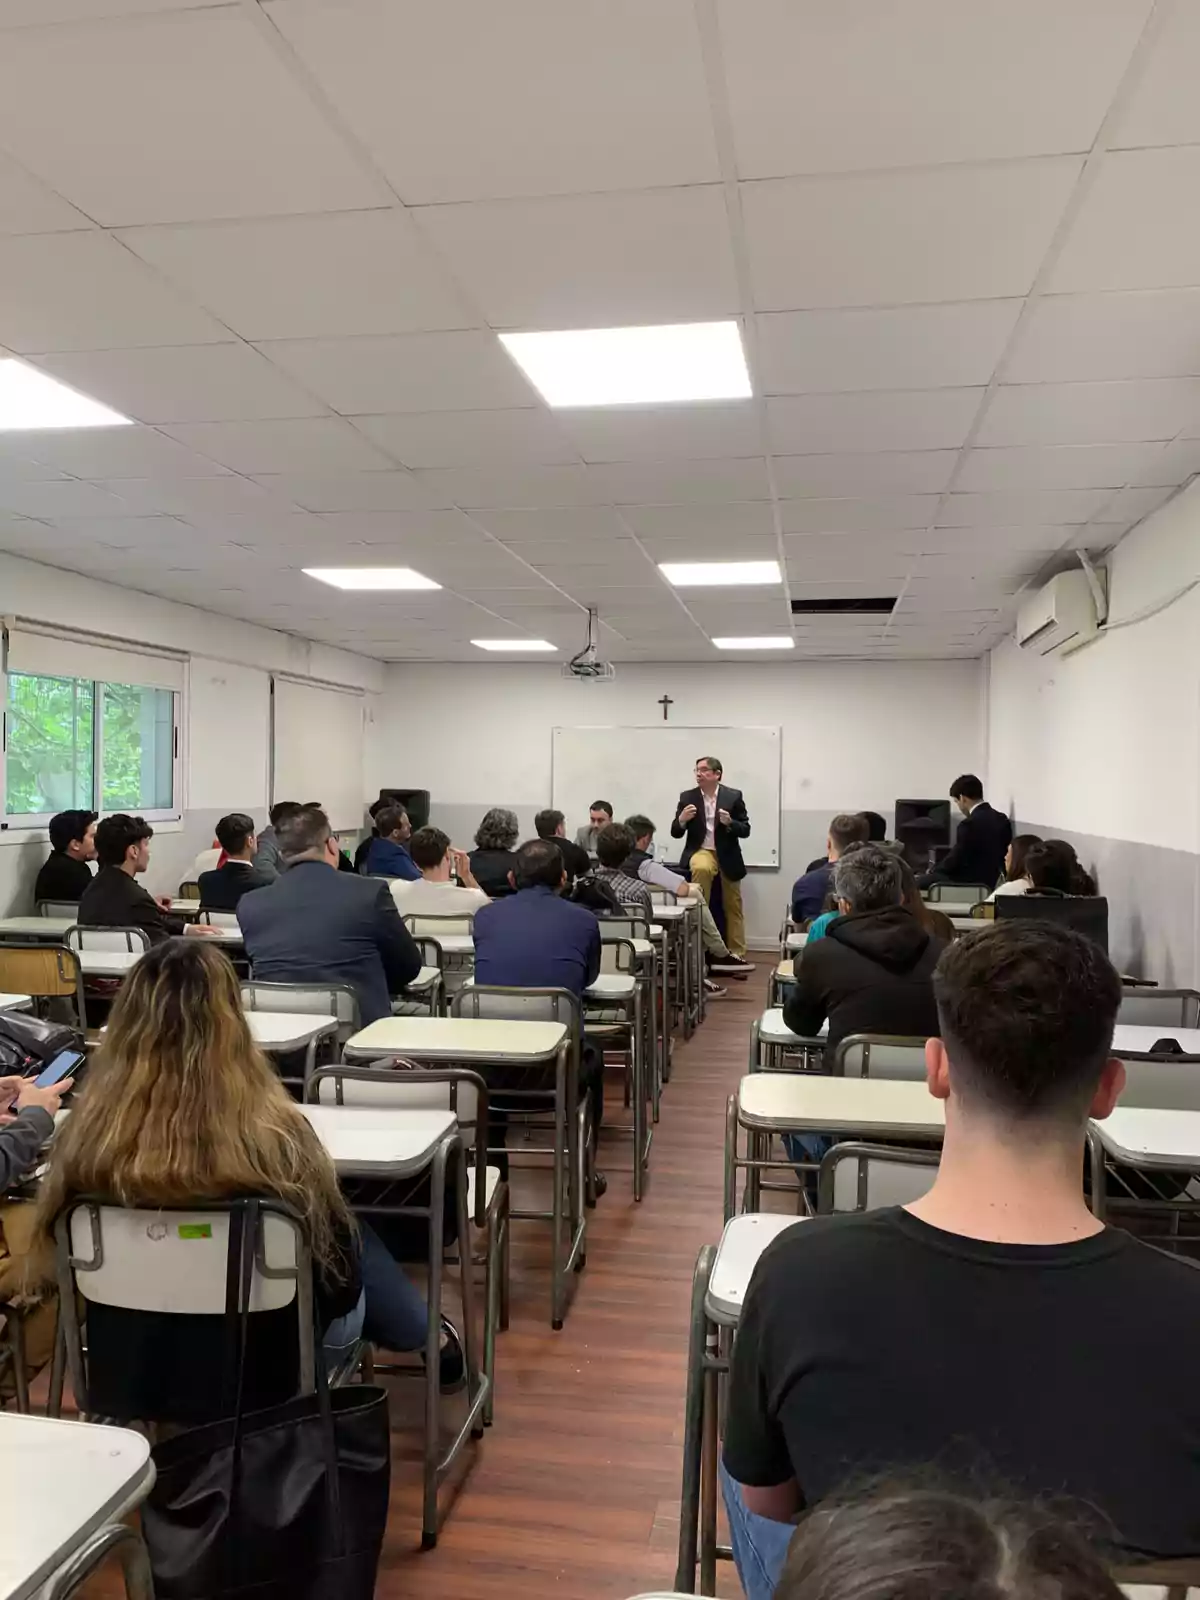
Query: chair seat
x=785 y=972
x=743 y=1241
x=611 y=986
x=424 y=981
x=796 y=941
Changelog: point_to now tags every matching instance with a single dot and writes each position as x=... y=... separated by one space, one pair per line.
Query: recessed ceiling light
x=371 y=577
x=774 y=641
x=634 y=366
x=710 y=574
x=31 y=399
x=513 y=644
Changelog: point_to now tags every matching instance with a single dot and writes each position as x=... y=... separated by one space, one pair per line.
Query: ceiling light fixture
x=30 y=399
x=674 y=362
x=713 y=574
x=513 y=644
x=773 y=641
x=370 y=577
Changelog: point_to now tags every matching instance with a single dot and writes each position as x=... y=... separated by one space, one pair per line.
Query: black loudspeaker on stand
x=414 y=801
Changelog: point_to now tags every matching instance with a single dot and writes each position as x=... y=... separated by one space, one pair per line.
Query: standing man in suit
x=316 y=925
x=984 y=836
x=713 y=819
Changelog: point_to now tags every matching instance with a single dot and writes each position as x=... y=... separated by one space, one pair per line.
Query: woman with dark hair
x=1053 y=868
x=494 y=855
x=922 y=1544
x=1016 y=866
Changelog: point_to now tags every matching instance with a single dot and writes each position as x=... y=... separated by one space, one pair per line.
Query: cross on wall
x=665 y=702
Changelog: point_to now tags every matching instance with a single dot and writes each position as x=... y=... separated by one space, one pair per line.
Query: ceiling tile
x=1138 y=227
x=1094 y=466
x=65 y=498
x=299 y=445
x=157 y=534
x=42 y=306
x=926 y=419
x=664 y=482
x=1033 y=505
x=17 y=467
x=351 y=272
x=550 y=524
x=1172 y=464
x=664 y=433
x=748 y=519
x=465 y=98
x=819 y=88
x=858 y=516
x=592 y=260
x=27 y=13
x=458 y=371
x=545 y=486
x=350 y=491
x=399 y=527
x=115 y=453
x=27 y=206
x=198 y=499
x=1137 y=334
x=1091 y=413
x=469 y=438
x=1131 y=505
x=1162 y=108
x=945 y=233
x=710 y=544
x=157 y=149
x=184 y=383
x=882 y=472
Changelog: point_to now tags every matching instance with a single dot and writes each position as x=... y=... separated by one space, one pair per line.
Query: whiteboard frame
x=687 y=727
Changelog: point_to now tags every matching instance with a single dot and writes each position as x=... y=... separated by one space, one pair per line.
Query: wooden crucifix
x=665 y=702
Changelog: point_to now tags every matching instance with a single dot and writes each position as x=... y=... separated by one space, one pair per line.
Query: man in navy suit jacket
x=387 y=854
x=315 y=924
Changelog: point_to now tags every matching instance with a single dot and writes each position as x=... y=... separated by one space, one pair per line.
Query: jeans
x=760 y=1546
x=390 y=1312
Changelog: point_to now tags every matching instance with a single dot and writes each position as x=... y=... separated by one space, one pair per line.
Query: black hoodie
x=871 y=973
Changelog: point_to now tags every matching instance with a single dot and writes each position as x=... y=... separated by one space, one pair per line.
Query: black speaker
x=414 y=801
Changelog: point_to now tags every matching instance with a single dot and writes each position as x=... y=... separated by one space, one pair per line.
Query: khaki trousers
x=704 y=870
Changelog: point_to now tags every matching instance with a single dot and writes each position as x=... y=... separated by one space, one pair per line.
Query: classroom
x=600 y=847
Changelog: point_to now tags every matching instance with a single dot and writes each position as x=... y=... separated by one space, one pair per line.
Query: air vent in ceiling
x=853 y=607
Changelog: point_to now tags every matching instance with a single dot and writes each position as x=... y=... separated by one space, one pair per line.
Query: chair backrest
x=617 y=955
x=1168 y=1083
x=432 y=954
x=308 y=999
x=218 y=919
x=660 y=896
x=524 y=1005
x=431 y=926
x=863 y=1177
x=57 y=908
x=1160 y=1008
x=631 y=924
x=962 y=894
x=43 y=971
x=869 y=1055
x=114 y=938
x=189 y=890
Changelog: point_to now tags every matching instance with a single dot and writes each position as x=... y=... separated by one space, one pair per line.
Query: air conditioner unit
x=1060 y=617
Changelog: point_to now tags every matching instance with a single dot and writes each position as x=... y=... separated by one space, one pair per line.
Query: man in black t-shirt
x=65 y=873
x=993 y=1330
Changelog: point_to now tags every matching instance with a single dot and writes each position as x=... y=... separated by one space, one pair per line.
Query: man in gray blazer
x=600 y=815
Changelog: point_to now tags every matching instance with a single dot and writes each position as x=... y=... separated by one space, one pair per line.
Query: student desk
x=65 y=1485
x=15 y=1002
x=683 y=921
x=1148 y=1140
x=796 y=941
x=771 y=1039
x=960 y=921
x=41 y=930
x=370 y=1142
x=108 y=963
x=483 y=1042
x=1134 y=1039
x=279 y=1032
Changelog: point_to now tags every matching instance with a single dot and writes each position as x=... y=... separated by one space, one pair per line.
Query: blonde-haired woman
x=180 y=1106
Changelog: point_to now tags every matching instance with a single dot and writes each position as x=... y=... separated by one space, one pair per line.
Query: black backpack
x=596 y=895
x=27 y=1043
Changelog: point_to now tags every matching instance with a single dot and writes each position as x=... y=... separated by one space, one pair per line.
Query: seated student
x=493 y=860
x=433 y=894
x=613 y=845
x=1016 y=863
x=114 y=899
x=65 y=873
x=873 y=970
x=180 y=1105
x=387 y=856
x=551 y=824
x=267 y=859
x=1053 y=868
x=362 y=849
x=222 y=888
x=316 y=925
x=640 y=863
x=809 y=892
x=599 y=816
x=982 y=839
x=993 y=1329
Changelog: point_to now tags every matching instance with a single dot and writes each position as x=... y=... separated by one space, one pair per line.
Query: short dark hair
x=613 y=844
x=234 y=832
x=546 y=823
x=1027 y=1010
x=377 y=806
x=713 y=765
x=848 y=827
x=67 y=827
x=306 y=829
x=639 y=826
x=968 y=787
x=282 y=810
x=389 y=820
x=115 y=835
x=601 y=805
x=539 y=864
x=428 y=847
x=876 y=826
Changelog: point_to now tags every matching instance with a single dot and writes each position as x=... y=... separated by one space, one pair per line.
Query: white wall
x=855 y=735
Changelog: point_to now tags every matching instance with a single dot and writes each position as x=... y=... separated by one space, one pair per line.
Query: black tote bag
x=288 y=1503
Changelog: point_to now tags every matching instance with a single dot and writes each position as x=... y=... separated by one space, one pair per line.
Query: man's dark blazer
x=979 y=848
x=314 y=925
x=728 y=836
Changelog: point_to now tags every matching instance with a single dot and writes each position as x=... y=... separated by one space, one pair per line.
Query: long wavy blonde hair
x=179 y=1105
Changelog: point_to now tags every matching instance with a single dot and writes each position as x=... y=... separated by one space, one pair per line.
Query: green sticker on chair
x=195 y=1230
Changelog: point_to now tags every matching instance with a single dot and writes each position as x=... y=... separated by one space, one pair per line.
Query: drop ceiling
x=960 y=237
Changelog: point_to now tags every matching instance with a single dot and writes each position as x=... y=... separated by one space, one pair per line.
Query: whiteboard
x=645 y=769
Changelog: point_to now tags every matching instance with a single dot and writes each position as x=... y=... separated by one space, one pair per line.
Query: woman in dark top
x=494 y=855
x=181 y=1106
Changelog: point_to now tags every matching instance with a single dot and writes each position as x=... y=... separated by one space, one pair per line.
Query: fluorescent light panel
x=774 y=641
x=634 y=366
x=513 y=644
x=371 y=577
x=718 y=574
x=31 y=399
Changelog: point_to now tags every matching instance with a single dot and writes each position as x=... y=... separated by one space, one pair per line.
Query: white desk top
x=423 y=980
x=452 y=944
x=774 y=1030
x=801 y=1101
x=960 y=920
x=63 y=1481
x=370 y=1142
x=287 y=1030
x=15 y=1002
x=458 y=1039
x=108 y=963
x=611 y=986
x=796 y=941
x=1142 y=1137
x=185 y=908
x=52 y=929
x=1136 y=1038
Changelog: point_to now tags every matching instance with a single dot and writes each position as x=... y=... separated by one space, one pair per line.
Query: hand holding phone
x=47 y=1096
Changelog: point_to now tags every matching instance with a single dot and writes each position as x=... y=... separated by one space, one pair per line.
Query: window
x=76 y=743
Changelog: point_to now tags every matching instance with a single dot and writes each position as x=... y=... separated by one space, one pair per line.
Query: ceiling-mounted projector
x=586 y=665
